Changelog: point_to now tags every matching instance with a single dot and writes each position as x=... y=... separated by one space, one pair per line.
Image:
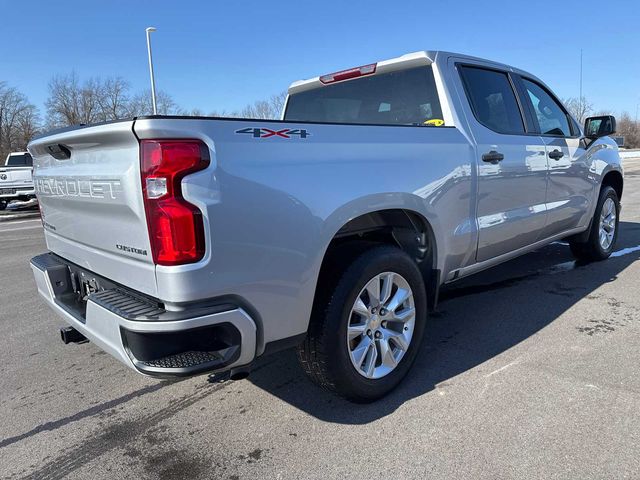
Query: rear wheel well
x=404 y=229
x=614 y=180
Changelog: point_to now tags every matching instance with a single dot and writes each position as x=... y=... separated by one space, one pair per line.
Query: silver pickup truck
x=16 y=182
x=189 y=244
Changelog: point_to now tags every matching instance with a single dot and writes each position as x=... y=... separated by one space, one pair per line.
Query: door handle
x=556 y=154
x=492 y=157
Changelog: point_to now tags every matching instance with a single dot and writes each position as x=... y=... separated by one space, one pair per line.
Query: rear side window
x=22 y=160
x=405 y=97
x=552 y=119
x=492 y=99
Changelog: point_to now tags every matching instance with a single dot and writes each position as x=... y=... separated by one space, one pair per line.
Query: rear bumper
x=139 y=332
x=17 y=192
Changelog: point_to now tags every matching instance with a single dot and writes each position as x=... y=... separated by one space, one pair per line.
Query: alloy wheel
x=381 y=325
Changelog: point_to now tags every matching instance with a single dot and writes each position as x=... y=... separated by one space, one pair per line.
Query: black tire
x=324 y=355
x=592 y=250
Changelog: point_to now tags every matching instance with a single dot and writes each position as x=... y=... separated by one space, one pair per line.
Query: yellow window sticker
x=434 y=122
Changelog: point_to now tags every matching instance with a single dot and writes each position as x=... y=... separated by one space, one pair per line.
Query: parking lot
x=529 y=370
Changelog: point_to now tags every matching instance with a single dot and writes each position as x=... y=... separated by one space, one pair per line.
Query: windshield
x=405 y=97
x=21 y=160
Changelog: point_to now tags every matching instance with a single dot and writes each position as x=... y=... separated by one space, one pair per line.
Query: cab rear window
x=22 y=160
x=405 y=97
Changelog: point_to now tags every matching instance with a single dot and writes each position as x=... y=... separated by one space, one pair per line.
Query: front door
x=571 y=186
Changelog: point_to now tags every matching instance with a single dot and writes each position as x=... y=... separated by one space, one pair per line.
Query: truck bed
x=270 y=201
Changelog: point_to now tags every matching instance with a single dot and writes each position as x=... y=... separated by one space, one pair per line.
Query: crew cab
x=183 y=245
x=16 y=182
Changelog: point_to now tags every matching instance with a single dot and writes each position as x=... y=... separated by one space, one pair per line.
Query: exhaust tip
x=239 y=373
x=71 y=335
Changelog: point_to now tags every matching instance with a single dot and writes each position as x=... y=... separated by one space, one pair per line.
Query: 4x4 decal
x=261 y=132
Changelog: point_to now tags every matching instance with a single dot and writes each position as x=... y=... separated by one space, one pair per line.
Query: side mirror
x=596 y=127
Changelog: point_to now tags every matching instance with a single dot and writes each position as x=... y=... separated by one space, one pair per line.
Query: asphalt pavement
x=529 y=370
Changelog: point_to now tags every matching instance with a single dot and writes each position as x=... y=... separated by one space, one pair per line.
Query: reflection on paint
x=457 y=174
x=536 y=161
x=558 y=204
x=487 y=221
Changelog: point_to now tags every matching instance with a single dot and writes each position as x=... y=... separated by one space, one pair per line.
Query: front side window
x=405 y=97
x=552 y=119
x=492 y=99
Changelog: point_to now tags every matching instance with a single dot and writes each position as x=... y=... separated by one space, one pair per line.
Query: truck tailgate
x=15 y=177
x=88 y=184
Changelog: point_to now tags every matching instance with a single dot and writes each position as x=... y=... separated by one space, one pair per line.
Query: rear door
x=512 y=165
x=570 y=188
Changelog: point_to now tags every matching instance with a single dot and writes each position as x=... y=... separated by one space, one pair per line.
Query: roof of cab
x=415 y=59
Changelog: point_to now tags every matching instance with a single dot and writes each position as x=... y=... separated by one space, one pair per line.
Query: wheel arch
x=405 y=228
x=613 y=179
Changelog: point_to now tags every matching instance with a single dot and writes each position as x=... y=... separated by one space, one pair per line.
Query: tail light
x=176 y=230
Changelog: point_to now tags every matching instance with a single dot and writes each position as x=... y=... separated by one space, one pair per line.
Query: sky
x=222 y=55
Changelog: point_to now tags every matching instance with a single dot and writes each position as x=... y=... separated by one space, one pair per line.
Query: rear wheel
x=365 y=335
x=604 y=229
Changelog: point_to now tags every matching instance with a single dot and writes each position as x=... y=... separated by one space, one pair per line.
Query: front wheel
x=365 y=335
x=604 y=229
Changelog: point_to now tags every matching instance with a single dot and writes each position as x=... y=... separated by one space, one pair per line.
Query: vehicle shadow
x=477 y=319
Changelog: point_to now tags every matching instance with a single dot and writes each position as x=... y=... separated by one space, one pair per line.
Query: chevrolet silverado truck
x=182 y=245
x=16 y=182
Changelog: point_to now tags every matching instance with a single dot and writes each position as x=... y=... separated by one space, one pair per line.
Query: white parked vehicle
x=16 y=179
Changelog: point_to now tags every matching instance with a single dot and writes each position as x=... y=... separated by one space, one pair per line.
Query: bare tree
x=113 y=98
x=266 y=109
x=580 y=109
x=629 y=129
x=277 y=103
x=19 y=120
x=28 y=126
x=141 y=104
x=95 y=100
x=71 y=102
x=225 y=113
x=194 y=112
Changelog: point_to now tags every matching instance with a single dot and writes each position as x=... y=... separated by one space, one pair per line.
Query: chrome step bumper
x=139 y=332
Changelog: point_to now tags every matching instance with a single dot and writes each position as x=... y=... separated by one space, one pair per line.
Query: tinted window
x=23 y=160
x=492 y=99
x=407 y=97
x=575 y=126
x=551 y=117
